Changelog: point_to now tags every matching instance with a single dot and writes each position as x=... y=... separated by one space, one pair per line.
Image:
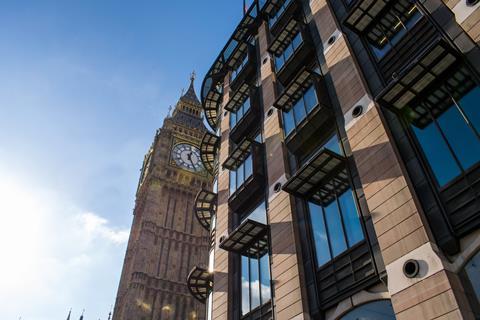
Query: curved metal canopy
x=209 y=152
x=205 y=207
x=200 y=283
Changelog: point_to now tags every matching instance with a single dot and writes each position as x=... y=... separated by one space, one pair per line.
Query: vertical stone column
x=289 y=299
x=400 y=226
x=220 y=283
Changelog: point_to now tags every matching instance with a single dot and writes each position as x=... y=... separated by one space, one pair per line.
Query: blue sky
x=83 y=86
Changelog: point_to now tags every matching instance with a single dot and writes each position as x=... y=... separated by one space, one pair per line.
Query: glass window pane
x=469 y=104
x=319 y=234
x=248 y=167
x=297 y=41
x=299 y=111
x=265 y=278
x=279 y=62
x=288 y=52
x=310 y=98
x=462 y=139
x=233 y=184
x=472 y=269
x=246 y=105
x=334 y=227
x=240 y=175
x=437 y=153
x=351 y=219
x=245 y=286
x=377 y=310
x=288 y=122
x=333 y=144
x=233 y=119
x=254 y=283
x=258 y=214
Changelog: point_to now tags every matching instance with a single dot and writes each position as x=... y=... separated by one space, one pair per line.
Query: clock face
x=187 y=156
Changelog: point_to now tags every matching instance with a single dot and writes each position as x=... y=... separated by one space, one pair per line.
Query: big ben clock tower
x=165 y=239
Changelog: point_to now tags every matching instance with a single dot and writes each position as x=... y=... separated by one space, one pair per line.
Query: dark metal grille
x=322 y=178
x=271 y=6
x=390 y=22
x=238 y=98
x=250 y=239
x=205 y=207
x=285 y=37
x=211 y=104
x=238 y=156
x=411 y=90
x=295 y=89
x=364 y=13
x=200 y=283
x=209 y=152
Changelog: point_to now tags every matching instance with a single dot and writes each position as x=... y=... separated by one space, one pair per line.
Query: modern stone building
x=345 y=146
x=165 y=243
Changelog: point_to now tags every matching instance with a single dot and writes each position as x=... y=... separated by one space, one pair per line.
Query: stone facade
x=406 y=218
x=166 y=240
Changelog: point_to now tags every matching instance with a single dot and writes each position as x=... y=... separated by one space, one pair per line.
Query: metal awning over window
x=212 y=87
x=285 y=37
x=205 y=207
x=200 y=283
x=321 y=179
x=209 y=152
x=296 y=89
x=270 y=6
x=238 y=98
x=365 y=12
x=212 y=95
x=249 y=239
x=238 y=156
x=437 y=67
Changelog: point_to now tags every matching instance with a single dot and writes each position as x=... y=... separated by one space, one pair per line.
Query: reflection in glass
x=265 y=278
x=233 y=181
x=245 y=283
x=248 y=167
x=462 y=139
x=319 y=234
x=288 y=122
x=288 y=51
x=300 y=109
x=335 y=230
x=353 y=229
x=254 y=283
x=437 y=153
x=377 y=310
x=255 y=277
x=450 y=142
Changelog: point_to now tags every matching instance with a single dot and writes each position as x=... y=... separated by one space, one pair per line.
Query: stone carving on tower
x=166 y=240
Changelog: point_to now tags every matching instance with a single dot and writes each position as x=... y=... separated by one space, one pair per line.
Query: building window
x=241 y=174
x=279 y=13
x=451 y=141
x=255 y=273
x=336 y=225
x=239 y=68
x=472 y=283
x=300 y=110
x=392 y=27
x=377 y=310
x=290 y=49
x=235 y=117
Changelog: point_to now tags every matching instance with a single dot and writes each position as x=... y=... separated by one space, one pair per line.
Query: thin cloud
x=97 y=227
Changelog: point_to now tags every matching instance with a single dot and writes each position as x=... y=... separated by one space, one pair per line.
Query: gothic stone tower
x=165 y=239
